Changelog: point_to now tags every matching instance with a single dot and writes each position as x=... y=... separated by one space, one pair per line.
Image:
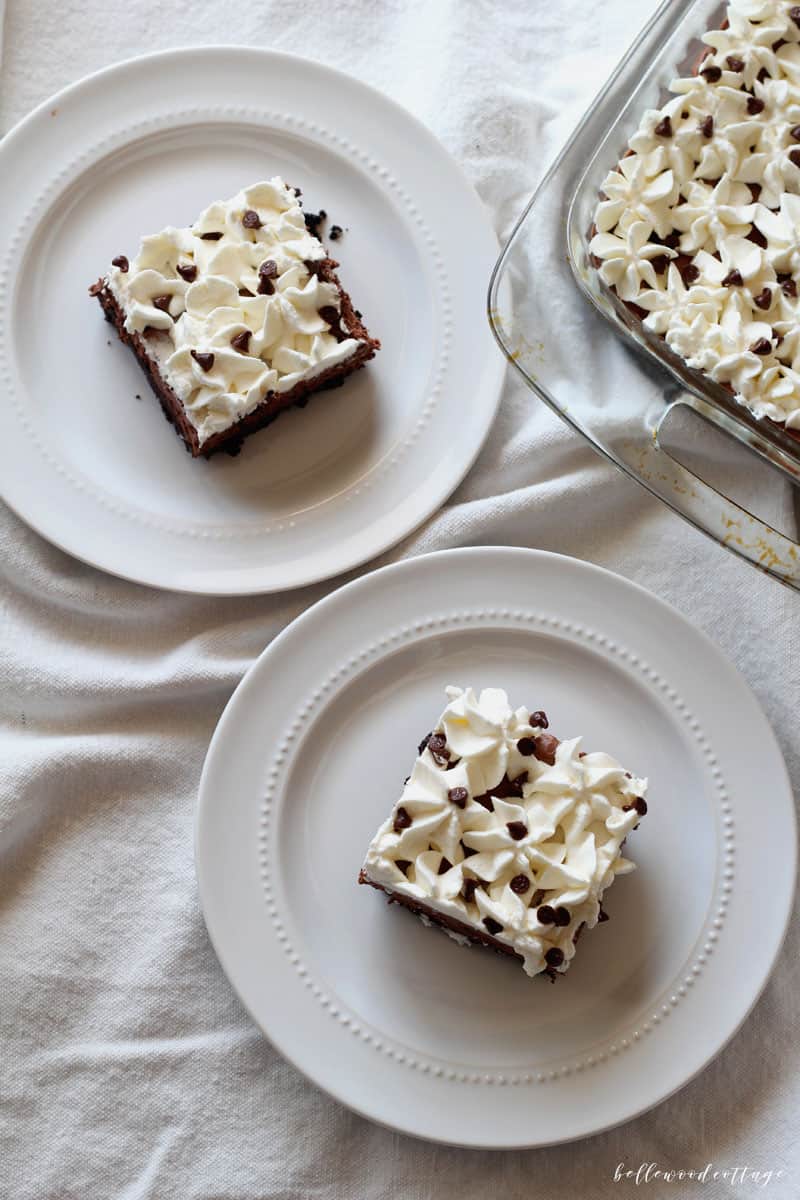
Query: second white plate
x=85 y=455
x=396 y=1020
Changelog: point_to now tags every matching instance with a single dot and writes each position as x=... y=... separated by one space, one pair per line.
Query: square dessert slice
x=235 y=318
x=505 y=836
x=696 y=230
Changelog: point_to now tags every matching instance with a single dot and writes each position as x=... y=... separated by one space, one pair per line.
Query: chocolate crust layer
x=442 y=921
x=230 y=440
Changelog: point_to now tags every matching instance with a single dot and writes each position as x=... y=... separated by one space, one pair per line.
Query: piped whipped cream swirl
x=699 y=224
x=238 y=300
x=506 y=830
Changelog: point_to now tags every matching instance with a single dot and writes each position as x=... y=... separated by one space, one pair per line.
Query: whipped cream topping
x=237 y=297
x=506 y=830
x=699 y=224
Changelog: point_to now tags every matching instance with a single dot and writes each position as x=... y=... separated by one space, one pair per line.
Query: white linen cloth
x=129 y=1070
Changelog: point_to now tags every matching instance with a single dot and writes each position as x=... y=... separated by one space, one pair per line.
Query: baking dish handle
x=709 y=509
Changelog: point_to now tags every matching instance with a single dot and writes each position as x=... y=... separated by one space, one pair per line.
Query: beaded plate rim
x=705 y=942
x=393 y=603
x=185 y=118
x=47 y=490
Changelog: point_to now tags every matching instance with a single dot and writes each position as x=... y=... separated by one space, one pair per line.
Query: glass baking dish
x=582 y=351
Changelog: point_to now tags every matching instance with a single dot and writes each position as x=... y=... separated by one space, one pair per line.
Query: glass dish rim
x=668 y=14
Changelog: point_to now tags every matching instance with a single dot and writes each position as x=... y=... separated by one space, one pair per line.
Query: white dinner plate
x=86 y=457
x=396 y=1020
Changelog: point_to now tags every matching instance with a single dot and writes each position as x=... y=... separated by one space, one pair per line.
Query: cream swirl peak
x=245 y=309
x=503 y=834
x=699 y=224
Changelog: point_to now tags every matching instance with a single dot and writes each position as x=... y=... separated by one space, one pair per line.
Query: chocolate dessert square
x=505 y=836
x=237 y=317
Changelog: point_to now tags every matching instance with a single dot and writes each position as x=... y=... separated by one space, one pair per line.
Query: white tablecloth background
x=128 y=1068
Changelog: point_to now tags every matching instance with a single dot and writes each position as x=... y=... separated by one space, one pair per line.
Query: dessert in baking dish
x=505 y=836
x=698 y=227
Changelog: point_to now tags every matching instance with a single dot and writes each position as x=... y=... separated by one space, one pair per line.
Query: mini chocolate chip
x=602 y=916
x=402 y=819
x=444 y=866
x=437 y=745
x=187 y=271
x=789 y=288
x=757 y=237
x=754 y=105
x=205 y=361
x=468 y=890
x=162 y=302
x=763 y=299
x=712 y=74
x=690 y=273
x=706 y=127
x=733 y=279
x=762 y=346
x=458 y=796
x=526 y=745
x=314 y=220
x=554 y=956
x=517 y=829
x=640 y=804
x=672 y=241
x=763 y=75
x=468 y=850
x=492 y=925
x=627 y=808
x=402 y=864
x=659 y=263
x=121 y=262
x=520 y=884
x=485 y=801
x=546 y=746
x=562 y=916
x=241 y=341
x=663 y=128
x=251 y=219
x=795 y=132
x=245 y=292
x=335 y=233
x=734 y=64
x=794 y=156
x=546 y=914
x=794 y=13
x=210 y=237
x=266 y=273
x=424 y=743
x=539 y=719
